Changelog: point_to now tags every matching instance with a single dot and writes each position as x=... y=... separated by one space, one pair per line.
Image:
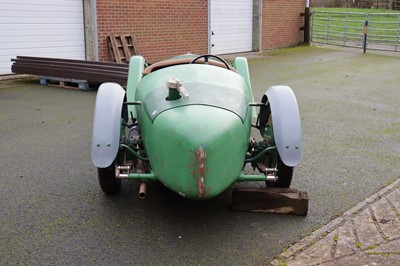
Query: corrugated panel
x=231 y=26
x=47 y=28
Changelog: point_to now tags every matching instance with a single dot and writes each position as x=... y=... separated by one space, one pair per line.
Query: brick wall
x=281 y=23
x=162 y=28
x=165 y=28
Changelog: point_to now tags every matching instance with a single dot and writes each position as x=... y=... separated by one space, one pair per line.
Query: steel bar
x=142 y=176
x=243 y=177
x=90 y=71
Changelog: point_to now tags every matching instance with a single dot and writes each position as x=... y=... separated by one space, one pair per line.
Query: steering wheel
x=206 y=56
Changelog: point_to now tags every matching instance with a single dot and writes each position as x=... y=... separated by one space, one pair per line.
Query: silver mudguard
x=106 y=124
x=286 y=124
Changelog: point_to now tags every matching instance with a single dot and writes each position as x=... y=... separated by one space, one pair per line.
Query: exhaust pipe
x=142 y=190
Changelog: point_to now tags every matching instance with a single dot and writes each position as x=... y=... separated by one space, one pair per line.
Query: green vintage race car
x=186 y=122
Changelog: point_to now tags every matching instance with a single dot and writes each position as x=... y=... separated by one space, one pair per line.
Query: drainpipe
x=307 y=23
x=260 y=25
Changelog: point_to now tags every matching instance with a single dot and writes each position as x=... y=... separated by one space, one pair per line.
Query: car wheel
x=108 y=182
x=285 y=174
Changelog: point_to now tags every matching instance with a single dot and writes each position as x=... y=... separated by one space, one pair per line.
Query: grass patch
x=346 y=25
x=353 y=10
x=282 y=263
x=384 y=254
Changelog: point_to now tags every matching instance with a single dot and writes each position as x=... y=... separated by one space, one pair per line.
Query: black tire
x=285 y=174
x=108 y=182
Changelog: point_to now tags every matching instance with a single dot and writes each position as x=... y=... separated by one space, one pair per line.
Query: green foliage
x=282 y=263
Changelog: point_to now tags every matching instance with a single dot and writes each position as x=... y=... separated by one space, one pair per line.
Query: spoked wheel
x=285 y=173
x=108 y=182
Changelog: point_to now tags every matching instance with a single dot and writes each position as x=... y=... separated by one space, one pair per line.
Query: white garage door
x=231 y=26
x=48 y=28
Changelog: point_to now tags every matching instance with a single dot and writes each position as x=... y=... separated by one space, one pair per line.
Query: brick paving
x=368 y=234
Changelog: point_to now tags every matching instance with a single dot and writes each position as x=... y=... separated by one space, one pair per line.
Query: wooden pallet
x=65 y=83
x=121 y=47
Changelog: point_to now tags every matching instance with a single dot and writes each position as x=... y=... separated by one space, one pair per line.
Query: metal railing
x=380 y=31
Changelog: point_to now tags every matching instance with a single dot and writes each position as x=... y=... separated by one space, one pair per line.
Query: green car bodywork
x=197 y=143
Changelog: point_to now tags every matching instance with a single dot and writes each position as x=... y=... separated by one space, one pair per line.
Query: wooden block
x=271 y=200
x=111 y=49
x=125 y=47
x=115 y=49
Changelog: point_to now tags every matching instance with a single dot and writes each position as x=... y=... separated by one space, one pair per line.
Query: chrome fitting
x=271 y=174
x=122 y=171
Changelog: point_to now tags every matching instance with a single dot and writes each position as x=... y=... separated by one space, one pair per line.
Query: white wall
x=46 y=28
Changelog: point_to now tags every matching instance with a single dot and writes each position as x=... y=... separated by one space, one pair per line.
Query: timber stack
x=90 y=71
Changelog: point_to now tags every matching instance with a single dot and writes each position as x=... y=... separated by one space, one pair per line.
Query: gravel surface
x=52 y=210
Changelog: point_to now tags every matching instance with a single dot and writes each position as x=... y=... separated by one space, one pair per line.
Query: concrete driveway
x=52 y=210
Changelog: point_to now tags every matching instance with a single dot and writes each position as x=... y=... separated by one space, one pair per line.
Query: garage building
x=78 y=29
